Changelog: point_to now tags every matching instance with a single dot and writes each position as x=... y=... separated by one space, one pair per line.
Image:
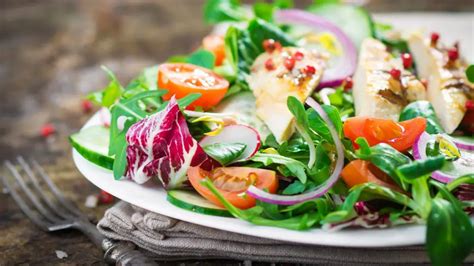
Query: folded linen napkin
x=166 y=238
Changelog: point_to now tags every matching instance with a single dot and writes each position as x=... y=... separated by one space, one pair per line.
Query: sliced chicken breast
x=448 y=87
x=275 y=76
x=376 y=92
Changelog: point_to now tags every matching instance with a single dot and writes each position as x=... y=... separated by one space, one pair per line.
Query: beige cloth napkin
x=170 y=239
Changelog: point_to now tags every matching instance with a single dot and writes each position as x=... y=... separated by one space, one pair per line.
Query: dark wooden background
x=50 y=57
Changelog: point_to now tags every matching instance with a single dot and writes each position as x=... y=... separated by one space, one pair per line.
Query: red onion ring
x=320 y=190
x=346 y=65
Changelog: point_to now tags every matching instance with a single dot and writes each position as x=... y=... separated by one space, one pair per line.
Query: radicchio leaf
x=162 y=146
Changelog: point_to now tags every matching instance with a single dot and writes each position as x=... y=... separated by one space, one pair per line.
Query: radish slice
x=318 y=191
x=237 y=134
x=461 y=166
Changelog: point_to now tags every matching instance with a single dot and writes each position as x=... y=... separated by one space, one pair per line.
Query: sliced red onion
x=346 y=64
x=463 y=145
x=320 y=190
x=419 y=153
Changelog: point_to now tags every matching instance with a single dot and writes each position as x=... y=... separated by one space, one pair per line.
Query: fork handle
x=124 y=254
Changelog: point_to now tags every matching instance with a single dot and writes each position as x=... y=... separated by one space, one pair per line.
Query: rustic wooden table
x=50 y=57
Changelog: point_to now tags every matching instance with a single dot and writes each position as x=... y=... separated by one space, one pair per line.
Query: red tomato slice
x=182 y=79
x=215 y=44
x=399 y=135
x=359 y=172
x=232 y=182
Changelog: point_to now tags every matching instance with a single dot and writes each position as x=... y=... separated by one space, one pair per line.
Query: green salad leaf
x=110 y=94
x=216 y=11
x=449 y=234
x=297 y=168
x=202 y=58
x=225 y=153
x=422 y=109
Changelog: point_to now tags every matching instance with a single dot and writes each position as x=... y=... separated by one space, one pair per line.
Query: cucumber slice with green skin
x=192 y=201
x=353 y=20
x=93 y=144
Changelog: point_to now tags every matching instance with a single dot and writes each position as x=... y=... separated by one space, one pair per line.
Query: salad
x=316 y=118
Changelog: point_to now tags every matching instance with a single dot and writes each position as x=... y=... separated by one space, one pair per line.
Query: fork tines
x=37 y=196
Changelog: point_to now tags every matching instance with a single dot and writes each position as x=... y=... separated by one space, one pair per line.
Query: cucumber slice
x=353 y=20
x=93 y=144
x=192 y=201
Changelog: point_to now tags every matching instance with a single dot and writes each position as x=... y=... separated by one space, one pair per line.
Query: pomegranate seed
x=348 y=83
x=269 y=64
x=395 y=73
x=434 y=38
x=310 y=70
x=47 y=130
x=271 y=45
x=469 y=105
x=298 y=56
x=105 y=198
x=86 y=106
x=407 y=60
x=289 y=63
x=453 y=54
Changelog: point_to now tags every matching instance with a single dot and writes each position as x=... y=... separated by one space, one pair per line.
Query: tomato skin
x=359 y=172
x=181 y=79
x=216 y=45
x=399 y=135
x=266 y=179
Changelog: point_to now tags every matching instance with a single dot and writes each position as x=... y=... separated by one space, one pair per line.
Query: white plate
x=152 y=197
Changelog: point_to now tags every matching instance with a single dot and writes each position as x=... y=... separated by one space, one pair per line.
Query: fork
x=54 y=212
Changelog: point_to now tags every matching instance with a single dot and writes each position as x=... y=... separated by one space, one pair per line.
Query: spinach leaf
x=297 y=168
x=449 y=234
x=203 y=58
x=216 y=11
x=422 y=109
x=225 y=153
x=385 y=157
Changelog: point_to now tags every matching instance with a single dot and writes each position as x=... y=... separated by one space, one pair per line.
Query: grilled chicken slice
x=448 y=87
x=273 y=79
x=376 y=92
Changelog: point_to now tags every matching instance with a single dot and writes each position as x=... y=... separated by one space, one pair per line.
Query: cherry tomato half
x=399 y=135
x=359 y=172
x=216 y=45
x=181 y=79
x=232 y=182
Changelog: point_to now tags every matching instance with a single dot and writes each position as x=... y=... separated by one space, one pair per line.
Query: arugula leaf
x=422 y=109
x=110 y=94
x=225 y=153
x=255 y=215
x=297 y=168
x=385 y=157
x=367 y=191
x=203 y=58
x=283 y=4
x=449 y=234
x=466 y=179
x=216 y=11
x=421 y=195
x=120 y=162
x=317 y=124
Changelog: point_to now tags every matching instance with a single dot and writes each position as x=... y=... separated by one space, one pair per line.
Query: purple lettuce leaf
x=161 y=146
